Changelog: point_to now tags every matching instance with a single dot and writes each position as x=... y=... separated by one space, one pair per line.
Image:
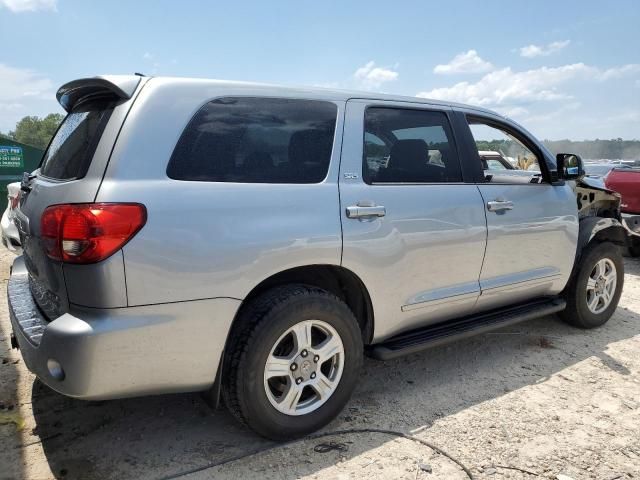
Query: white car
x=10 y=235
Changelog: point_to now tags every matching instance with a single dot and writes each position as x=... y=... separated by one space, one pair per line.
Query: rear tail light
x=89 y=232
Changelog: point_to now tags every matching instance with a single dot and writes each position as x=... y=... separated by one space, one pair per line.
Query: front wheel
x=293 y=361
x=594 y=292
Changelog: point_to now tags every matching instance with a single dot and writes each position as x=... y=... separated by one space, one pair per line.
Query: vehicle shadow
x=167 y=436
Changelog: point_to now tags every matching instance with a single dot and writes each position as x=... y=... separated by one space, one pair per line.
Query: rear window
x=409 y=146
x=70 y=152
x=256 y=140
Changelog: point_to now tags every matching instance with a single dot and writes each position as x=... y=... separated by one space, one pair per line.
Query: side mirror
x=570 y=166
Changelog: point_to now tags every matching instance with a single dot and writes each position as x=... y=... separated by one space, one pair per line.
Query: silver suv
x=252 y=242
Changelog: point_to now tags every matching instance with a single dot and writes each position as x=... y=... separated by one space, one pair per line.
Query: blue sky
x=564 y=69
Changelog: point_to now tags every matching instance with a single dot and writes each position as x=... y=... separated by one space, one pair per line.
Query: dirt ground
x=539 y=397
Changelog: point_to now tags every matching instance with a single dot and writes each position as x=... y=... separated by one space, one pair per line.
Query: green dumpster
x=15 y=159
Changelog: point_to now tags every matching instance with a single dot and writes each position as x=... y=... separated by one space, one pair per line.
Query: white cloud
x=506 y=87
x=18 y=6
x=468 y=62
x=580 y=122
x=147 y=56
x=546 y=99
x=24 y=92
x=371 y=77
x=547 y=115
x=531 y=51
x=617 y=72
x=16 y=83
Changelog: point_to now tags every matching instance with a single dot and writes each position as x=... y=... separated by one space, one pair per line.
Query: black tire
x=577 y=312
x=258 y=328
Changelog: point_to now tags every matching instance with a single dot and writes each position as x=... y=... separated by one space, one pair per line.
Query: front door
x=413 y=231
x=532 y=224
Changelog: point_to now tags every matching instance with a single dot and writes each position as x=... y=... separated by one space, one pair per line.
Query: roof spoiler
x=116 y=86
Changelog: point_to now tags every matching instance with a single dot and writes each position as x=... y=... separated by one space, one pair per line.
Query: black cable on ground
x=316 y=436
x=330 y=446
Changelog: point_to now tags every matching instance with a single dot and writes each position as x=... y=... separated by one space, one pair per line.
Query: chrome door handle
x=363 y=212
x=499 y=205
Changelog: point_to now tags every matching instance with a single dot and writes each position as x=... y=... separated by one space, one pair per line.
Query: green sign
x=11 y=156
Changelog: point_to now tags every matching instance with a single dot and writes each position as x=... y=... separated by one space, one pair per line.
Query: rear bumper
x=121 y=352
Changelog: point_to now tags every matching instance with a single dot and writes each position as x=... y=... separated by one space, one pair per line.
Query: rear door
x=70 y=172
x=413 y=231
x=532 y=223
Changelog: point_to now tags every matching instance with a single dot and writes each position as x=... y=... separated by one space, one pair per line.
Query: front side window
x=256 y=140
x=504 y=158
x=408 y=146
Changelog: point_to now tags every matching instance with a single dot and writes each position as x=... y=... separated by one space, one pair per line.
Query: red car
x=626 y=181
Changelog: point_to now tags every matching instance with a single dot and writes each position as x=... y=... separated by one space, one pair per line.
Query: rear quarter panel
x=207 y=239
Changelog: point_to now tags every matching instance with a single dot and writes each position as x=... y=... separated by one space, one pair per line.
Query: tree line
x=615 y=149
x=35 y=131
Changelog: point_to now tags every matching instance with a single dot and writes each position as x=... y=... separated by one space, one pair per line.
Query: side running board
x=452 y=330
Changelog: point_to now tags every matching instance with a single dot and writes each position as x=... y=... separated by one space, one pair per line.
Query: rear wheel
x=293 y=361
x=594 y=292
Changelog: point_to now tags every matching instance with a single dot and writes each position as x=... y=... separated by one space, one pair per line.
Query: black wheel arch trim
x=599 y=229
x=602 y=229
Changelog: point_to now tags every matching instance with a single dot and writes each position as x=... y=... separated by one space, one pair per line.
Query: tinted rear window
x=256 y=140
x=409 y=146
x=70 y=152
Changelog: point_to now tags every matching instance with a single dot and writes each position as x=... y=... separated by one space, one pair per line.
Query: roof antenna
x=140 y=74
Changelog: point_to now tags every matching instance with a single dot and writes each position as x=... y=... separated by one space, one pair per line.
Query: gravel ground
x=539 y=397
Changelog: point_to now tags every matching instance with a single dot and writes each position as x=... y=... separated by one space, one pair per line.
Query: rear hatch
x=70 y=172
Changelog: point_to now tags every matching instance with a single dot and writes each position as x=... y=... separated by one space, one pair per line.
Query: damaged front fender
x=613 y=227
x=596 y=200
x=599 y=213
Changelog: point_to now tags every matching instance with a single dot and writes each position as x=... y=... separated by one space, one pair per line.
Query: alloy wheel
x=601 y=286
x=304 y=367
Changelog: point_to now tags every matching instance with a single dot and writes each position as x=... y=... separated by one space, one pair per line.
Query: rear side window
x=70 y=152
x=409 y=146
x=256 y=140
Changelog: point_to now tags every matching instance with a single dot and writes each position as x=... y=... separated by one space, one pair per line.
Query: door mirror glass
x=569 y=166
